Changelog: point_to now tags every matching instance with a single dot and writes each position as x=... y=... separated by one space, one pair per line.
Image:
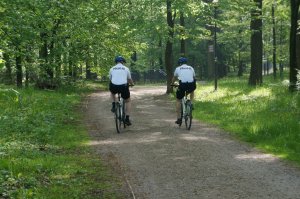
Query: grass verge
x=267 y=116
x=43 y=147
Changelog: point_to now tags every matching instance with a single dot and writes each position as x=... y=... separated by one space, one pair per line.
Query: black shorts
x=123 y=89
x=189 y=87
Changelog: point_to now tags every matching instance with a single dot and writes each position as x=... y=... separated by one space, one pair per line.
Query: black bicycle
x=120 y=114
x=186 y=110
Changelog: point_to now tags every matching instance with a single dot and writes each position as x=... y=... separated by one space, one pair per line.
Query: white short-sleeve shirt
x=185 y=73
x=119 y=74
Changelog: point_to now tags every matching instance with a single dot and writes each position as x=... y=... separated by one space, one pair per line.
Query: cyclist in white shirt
x=120 y=79
x=187 y=82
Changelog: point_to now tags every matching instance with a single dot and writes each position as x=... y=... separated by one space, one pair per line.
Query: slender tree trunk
x=160 y=58
x=58 y=63
x=294 y=44
x=280 y=52
x=182 y=41
x=29 y=61
x=256 y=45
x=88 y=68
x=169 y=46
x=240 y=62
x=19 y=71
x=274 y=42
x=8 y=71
x=43 y=54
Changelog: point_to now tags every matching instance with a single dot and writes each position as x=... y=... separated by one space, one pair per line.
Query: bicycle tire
x=189 y=115
x=118 y=118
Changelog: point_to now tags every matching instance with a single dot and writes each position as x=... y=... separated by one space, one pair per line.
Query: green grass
x=267 y=116
x=43 y=148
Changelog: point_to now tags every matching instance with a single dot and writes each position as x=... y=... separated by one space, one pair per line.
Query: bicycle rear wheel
x=119 y=118
x=188 y=116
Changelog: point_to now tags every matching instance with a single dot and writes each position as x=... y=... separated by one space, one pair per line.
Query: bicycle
x=186 y=110
x=120 y=114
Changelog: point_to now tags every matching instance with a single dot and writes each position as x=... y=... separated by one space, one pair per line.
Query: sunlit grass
x=267 y=116
x=43 y=147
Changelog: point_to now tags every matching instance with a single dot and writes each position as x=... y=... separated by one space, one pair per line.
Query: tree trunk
x=160 y=58
x=256 y=45
x=182 y=41
x=88 y=68
x=280 y=52
x=294 y=44
x=169 y=47
x=274 y=42
x=19 y=70
x=29 y=60
x=8 y=71
x=43 y=54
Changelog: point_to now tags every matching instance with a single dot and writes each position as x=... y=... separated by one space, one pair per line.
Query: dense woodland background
x=50 y=43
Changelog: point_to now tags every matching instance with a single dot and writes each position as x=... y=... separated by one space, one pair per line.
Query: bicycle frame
x=186 y=111
x=120 y=114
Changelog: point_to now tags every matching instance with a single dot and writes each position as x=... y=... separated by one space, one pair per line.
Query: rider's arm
x=130 y=81
x=175 y=76
x=174 y=79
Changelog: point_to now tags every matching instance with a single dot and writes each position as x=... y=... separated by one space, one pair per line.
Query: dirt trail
x=161 y=161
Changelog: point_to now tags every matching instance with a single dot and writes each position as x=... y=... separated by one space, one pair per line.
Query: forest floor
x=157 y=159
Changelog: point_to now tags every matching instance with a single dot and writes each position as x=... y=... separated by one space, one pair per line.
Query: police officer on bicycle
x=120 y=76
x=187 y=82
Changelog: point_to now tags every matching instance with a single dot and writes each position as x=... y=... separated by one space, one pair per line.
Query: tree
x=274 y=40
x=256 y=44
x=294 y=44
x=169 y=45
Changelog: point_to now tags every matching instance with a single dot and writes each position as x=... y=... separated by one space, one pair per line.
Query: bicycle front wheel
x=188 y=116
x=119 y=118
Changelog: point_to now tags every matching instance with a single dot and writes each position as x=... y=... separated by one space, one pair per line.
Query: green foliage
x=266 y=116
x=43 y=147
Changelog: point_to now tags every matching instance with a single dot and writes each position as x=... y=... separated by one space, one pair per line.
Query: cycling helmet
x=120 y=59
x=182 y=60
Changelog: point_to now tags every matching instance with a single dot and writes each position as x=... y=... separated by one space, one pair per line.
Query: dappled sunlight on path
x=161 y=160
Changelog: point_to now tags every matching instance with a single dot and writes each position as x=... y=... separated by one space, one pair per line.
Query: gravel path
x=159 y=160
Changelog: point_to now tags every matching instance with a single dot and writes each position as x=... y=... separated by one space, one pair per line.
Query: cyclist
x=120 y=76
x=187 y=82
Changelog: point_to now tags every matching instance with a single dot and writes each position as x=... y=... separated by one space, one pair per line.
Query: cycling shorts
x=123 y=89
x=189 y=87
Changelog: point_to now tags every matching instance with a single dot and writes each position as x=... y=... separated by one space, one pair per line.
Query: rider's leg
x=128 y=111
x=192 y=96
x=128 y=106
x=178 y=108
x=113 y=97
x=179 y=96
x=113 y=103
